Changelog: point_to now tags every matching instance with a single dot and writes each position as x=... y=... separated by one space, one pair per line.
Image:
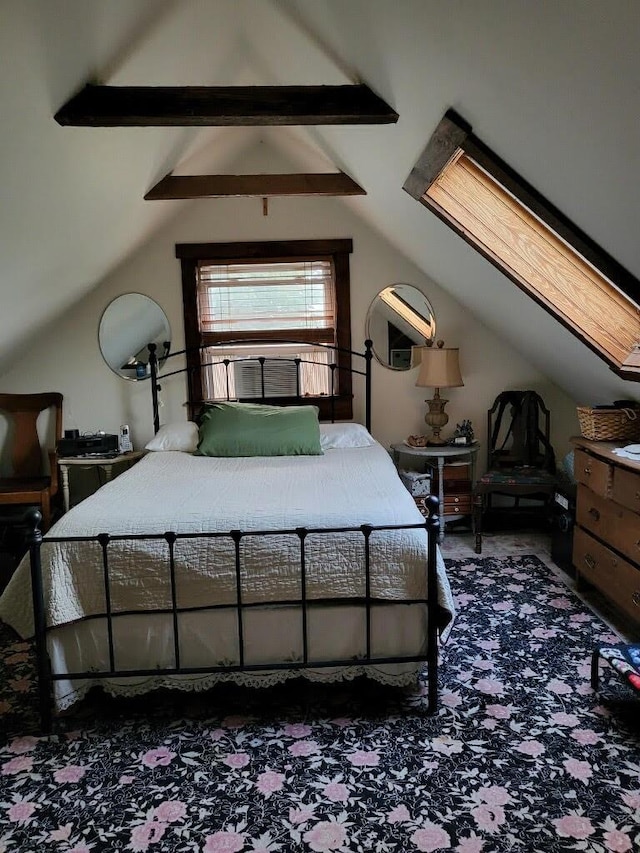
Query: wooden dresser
x=606 y=542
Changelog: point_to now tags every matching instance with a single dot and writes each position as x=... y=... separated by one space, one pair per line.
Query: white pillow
x=183 y=436
x=334 y=436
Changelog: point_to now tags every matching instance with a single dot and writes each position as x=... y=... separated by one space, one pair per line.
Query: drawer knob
x=593 y=512
x=636 y=598
x=587 y=471
x=589 y=561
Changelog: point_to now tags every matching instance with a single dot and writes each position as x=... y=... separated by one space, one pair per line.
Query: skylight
x=508 y=222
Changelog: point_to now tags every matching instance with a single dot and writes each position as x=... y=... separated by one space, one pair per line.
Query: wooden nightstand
x=452 y=478
x=99 y=463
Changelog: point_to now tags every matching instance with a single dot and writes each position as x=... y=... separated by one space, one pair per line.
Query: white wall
x=66 y=357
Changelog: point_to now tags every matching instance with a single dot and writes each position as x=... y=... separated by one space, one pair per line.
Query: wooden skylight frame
x=498 y=213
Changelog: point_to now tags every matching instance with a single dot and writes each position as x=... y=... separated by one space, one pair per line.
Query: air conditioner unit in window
x=279 y=378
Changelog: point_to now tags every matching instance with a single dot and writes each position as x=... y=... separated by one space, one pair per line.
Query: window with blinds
x=539 y=249
x=267 y=323
x=284 y=299
x=292 y=299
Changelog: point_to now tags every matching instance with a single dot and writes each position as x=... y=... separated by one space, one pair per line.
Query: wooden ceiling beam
x=186 y=106
x=253 y=186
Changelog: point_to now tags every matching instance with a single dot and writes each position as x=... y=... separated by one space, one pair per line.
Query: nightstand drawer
x=421 y=506
x=454 y=504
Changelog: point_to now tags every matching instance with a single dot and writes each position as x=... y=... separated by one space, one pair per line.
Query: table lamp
x=439 y=368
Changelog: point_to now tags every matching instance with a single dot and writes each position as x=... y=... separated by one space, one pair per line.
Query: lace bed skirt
x=210 y=639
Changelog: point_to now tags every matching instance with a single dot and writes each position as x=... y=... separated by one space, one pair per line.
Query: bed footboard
x=306 y=604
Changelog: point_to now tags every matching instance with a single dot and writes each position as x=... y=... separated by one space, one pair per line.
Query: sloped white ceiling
x=551 y=87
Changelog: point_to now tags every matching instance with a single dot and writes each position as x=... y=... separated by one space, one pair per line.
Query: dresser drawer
x=618 y=526
x=594 y=473
x=595 y=513
x=626 y=489
x=617 y=579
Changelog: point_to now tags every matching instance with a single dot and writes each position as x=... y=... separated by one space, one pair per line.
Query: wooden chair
x=520 y=460
x=29 y=482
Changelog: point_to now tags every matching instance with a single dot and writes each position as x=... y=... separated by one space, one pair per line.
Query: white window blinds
x=285 y=298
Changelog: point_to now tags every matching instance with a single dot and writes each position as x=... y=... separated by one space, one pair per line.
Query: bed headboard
x=258 y=366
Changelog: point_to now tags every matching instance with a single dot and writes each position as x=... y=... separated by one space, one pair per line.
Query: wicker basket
x=609 y=424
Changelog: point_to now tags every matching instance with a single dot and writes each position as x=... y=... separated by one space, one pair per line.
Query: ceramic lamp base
x=436 y=418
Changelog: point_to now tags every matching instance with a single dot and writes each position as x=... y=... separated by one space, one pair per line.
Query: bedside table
x=454 y=470
x=99 y=463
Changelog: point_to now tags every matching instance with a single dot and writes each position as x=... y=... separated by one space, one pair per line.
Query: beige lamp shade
x=439 y=367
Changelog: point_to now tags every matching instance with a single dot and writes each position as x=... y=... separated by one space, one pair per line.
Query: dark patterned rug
x=521 y=756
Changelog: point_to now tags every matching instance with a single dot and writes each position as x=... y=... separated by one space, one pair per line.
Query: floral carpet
x=522 y=755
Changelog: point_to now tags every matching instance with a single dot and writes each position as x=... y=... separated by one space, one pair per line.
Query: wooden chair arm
x=53 y=466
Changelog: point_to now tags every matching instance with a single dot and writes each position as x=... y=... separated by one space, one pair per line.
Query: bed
x=245 y=569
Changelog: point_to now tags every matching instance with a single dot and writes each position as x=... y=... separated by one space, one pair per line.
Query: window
x=516 y=229
x=236 y=294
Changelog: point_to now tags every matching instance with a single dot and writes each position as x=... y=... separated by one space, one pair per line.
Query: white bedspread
x=184 y=493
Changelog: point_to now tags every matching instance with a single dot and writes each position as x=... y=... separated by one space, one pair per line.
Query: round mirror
x=399 y=318
x=127 y=325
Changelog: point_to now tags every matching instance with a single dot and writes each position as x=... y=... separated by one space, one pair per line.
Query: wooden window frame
x=454 y=135
x=190 y=255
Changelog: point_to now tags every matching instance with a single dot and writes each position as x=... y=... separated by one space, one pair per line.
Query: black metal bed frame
x=46 y=677
x=333 y=368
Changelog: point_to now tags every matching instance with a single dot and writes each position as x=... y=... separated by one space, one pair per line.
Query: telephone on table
x=124 y=439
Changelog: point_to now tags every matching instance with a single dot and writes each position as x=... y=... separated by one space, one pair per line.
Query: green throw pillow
x=250 y=429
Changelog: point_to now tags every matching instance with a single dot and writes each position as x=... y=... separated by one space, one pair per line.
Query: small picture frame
x=400 y=359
